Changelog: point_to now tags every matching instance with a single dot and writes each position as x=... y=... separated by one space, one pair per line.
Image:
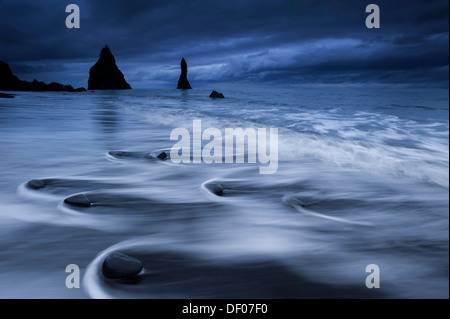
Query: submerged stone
x=80 y=200
x=36 y=184
x=163 y=156
x=117 y=153
x=119 y=266
x=292 y=201
x=216 y=189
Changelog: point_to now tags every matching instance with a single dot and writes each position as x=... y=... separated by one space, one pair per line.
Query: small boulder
x=36 y=184
x=292 y=201
x=118 y=153
x=80 y=200
x=6 y=96
x=216 y=189
x=216 y=95
x=121 y=266
x=163 y=156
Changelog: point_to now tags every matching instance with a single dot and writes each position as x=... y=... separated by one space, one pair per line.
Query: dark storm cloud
x=235 y=40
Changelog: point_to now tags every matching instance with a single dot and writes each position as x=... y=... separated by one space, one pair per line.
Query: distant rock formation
x=10 y=82
x=105 y=75
x=216 y=95
x=183 y=82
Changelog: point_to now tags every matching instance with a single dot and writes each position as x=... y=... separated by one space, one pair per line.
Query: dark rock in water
x=216 y=189
x=118 y=153
x=183 y=82
x=292 y=201
x=36 y=184
x=120 y=266
x=163 y=156
x=140 y=155
x=10 y=82
x=80 y=90
x=105 y=75
x=6 y=96
x=216 y=95
x=135 y=155
x=80 y=200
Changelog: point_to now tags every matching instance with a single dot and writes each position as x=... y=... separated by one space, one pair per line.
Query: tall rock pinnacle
x=183 y=82
x=105 y=75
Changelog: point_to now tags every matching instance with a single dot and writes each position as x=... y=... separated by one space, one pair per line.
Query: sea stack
x=105 y=75
x=183 y=82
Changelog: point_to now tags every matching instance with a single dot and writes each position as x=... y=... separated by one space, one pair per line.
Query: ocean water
x=363 y=178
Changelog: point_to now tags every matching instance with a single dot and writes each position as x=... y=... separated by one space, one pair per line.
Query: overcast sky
x=234 y=41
